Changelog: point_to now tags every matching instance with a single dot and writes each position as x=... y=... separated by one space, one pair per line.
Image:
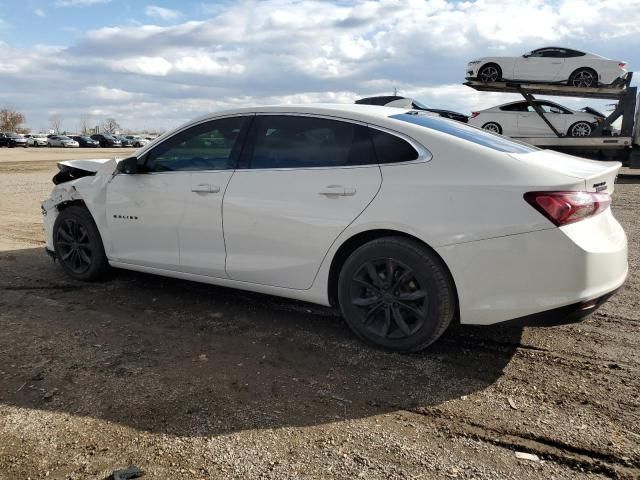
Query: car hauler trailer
x=625 y=146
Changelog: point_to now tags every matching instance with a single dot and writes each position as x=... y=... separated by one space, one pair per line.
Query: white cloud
x=296 y=51
x=39 y=12
x=105 y=93
x=78 y=3
x=162 y=13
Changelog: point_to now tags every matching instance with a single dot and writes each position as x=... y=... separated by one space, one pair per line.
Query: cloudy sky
x=156 y=64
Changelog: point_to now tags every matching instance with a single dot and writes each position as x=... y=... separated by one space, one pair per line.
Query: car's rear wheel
x=583 y=78
x=78 y=244
x=490 y=73
x=396 y=294
x=492 y=127
x=580 y=129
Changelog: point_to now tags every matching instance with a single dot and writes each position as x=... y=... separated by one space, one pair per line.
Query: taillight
x=622 y=64
x=474 y=114
x=563 y=208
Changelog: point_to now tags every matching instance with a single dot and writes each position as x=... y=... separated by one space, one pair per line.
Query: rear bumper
x=518 y=276
x=562 y=315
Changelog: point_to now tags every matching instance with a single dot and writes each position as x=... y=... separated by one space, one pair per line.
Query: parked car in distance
x=137 y=141
x=15 y=140
x=62 y=141
x=404 y=102
x=106 y=140
x=438 y=221
x=550 y=65
x=85 y=141
x=519 y=119
x=124 y=141
x=36 y=140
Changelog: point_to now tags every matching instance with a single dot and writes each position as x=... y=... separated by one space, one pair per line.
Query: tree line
x=11 y=120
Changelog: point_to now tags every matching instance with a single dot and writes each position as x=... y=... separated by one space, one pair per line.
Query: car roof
x=350 y=111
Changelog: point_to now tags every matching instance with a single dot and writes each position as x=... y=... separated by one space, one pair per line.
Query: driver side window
x=207 y=146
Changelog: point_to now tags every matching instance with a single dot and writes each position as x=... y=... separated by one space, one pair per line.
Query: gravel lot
x=192 y=381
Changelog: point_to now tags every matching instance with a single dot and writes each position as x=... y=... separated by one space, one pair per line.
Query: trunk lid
x=598 y=176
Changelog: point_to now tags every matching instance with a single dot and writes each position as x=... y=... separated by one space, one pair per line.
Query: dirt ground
x=192 y=381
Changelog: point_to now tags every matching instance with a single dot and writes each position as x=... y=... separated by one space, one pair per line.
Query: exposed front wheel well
x=355 y=242
x=67 y=204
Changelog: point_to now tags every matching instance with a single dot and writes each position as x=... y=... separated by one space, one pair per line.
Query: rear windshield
x=471 y=134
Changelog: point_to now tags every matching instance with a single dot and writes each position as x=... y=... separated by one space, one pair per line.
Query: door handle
x=337 y=190
x=205 y=188
x=556 y=63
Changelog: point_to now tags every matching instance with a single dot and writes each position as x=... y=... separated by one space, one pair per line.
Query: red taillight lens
x=563 y=208
x=622 y=64
x=474 y=114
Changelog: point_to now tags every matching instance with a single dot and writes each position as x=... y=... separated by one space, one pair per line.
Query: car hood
x=88 y=165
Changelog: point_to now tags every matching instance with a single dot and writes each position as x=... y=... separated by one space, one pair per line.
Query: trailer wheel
x=492 y=127
x=583 y=78
x=490 y=73
x=580 y=129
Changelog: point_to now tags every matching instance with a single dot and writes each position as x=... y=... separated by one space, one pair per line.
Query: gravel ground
x=192 y=381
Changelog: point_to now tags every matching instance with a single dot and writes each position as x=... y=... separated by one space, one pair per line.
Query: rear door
x=302 y=180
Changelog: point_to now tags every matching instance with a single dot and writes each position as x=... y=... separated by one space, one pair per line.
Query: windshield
x=465 y=132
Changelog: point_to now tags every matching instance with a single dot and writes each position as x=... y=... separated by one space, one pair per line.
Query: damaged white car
x=403 y=220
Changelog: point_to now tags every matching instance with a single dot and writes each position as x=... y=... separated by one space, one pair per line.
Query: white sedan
x=519 y=119
x=405 y=221
x=62 y=141
x=550 y=65
x=37 y=140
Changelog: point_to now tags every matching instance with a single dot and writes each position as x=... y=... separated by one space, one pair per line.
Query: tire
x=492 y=127
x=78 y=245
x=583 y=78
x=405 y=311
x=580 y=129
x=489 y=73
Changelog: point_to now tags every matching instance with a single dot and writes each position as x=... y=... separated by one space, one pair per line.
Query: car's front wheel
x=78 y=245
x=396 y=294
x=489 y=73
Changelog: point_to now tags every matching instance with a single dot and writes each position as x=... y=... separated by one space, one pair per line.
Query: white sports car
x=519 y=119
x=405 y=221
x=550 y=65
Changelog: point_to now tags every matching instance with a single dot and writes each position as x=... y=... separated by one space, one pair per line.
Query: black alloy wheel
x=389 y=296
x=78 y=245
x=73 y=244
x=396 y=294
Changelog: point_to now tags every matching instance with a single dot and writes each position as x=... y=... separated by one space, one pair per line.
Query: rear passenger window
x=288 y=141
x=392 y=149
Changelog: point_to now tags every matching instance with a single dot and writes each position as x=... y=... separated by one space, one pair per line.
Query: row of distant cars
x=73 y=141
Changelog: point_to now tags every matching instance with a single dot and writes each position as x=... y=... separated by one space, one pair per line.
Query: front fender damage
x=89 y=188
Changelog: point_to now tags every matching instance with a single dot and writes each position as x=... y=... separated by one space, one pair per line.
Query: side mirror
x=526 y=55
x=128 y=166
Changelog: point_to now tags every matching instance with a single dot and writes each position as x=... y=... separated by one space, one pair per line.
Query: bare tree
x=10 y=119
x=84 y=124
x=55 y=122
x=110 y=126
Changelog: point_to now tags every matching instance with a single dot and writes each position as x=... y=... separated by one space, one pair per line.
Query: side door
x=541 y=65
x=169 y=215
x=301 y=181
